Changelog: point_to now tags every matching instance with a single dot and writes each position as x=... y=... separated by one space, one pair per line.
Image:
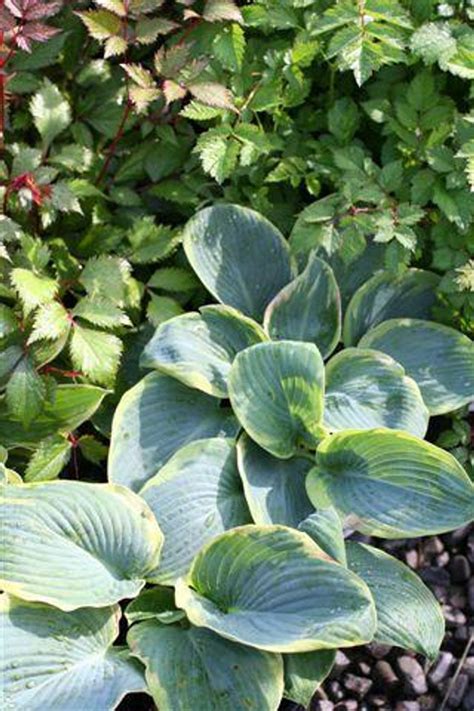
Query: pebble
x=359 y=685
x=378 y=651
x=341 y=661
x=460 y=569
x=385 y=674
x=335 y=690
x=458 y=691
x=429 y=702
x=441 y=667
x=457 y=597
x=433 y=546
x=442 y=559
x=411 y=558
x=347 y=705
x=435 y=576
x=407 y=706
x=323 y=705
x=413 y=675
x=377 y=702
x=470 y=593
x=470 y=548
x=459 y=534
x=468 y=668
x=454 y=618
x=468 y=700
x=364 y=668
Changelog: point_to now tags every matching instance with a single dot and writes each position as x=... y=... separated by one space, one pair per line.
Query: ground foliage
x=348 y=124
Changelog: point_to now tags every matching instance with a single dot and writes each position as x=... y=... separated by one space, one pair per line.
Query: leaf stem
x=113 y=146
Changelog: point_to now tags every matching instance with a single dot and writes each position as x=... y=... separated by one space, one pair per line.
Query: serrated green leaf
x=49 y=459
x=25 y=392
x=95 y=353
x=51 y=322
x=51 y=112
x=101 y=312
x=33 y=289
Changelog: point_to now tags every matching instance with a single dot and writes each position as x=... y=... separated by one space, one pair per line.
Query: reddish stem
x=60 y=371
x=114 y=144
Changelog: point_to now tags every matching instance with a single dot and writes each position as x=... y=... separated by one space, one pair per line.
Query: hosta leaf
x=273 y=588
x=391 y=484
x=153 y=420
x=274 y=488
x=276 y=391
x=156 y=603
x=304 y=673
x=386 y=296
x=438 y=358
x=95 y=353
x=49 y=459
x=240 y=257
x=308 y=309
x=198 y=348
x=51 y=112
x=196 y=496
x=70 y=406
x=72 y=544
x=26 y=392
x=367 y=389
x=324 y=526
x=196 y=669
x=64 y=661
x=408 y=614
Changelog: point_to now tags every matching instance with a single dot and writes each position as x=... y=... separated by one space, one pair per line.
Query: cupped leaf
x=196 y=669
x=154 y=419
x=240 y=257
x=274 y=488
x=155 y=603
x=273 y=588
x=70 y=406
x=325 y=527
x=408 y=614
x=304 y=674
x=438 y=358
x=196 y=496
x=367 y=389
x=73 y=544
x=391 y=484
x=386 y=296
x=307 y=309
x=64 y=661
x=198 y=348
x=276 y=391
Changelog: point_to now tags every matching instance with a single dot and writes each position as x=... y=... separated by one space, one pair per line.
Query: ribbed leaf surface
x=274 y=488
x=239 y=256
x=198 y=348
x=72 y=544
x=391 y=484
x=154 y=419
x=273 y=588
x=307 y=309
x=276 y=391
x=196 y=669
x=304 y=673
x=408 y=614
x=63 y=661
x=196 y=496
x=367 y=389
x=438 y=358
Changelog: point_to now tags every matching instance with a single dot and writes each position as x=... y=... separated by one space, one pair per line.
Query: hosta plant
x=239 y=469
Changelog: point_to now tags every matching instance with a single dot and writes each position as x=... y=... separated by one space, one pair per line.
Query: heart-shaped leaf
x=64 y=661
x=239 y=256
x=408 y=614
x=198 y=348
x=196 y=496
x=276 y=391
x=438 y=358
x=307 y=309
x=273 y=588
x=274 y=488
x=367 y=389
x=72 y=544
x=386 y=296
x=304 y=674
x=156 y=603
x=197 y=669
x=154 y=419
x=391 y=484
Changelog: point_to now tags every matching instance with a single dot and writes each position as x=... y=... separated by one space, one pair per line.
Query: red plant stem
x=60 y=371
x=115 y=141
